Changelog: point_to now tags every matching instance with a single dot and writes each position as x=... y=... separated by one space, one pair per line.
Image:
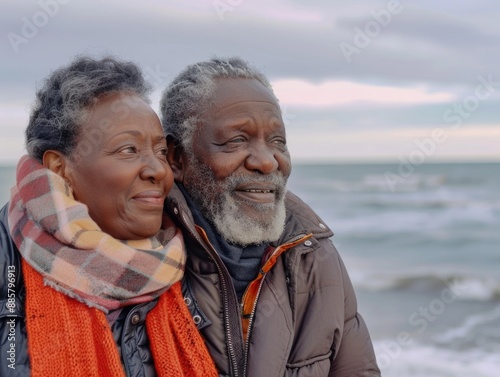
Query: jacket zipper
x=213 y=254
x=247 y=340
x=254 y=308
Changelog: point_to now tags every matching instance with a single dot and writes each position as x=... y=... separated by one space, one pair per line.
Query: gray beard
x=216 y=203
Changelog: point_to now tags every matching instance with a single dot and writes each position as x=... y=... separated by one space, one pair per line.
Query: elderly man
x=264 y=283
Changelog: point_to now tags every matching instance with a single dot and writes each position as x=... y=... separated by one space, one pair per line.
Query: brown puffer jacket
x=305 y=322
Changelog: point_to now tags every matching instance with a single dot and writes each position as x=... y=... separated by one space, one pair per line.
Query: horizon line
x=351 y=161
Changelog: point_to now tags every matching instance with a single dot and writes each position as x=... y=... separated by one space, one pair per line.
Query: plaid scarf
x=56 y=236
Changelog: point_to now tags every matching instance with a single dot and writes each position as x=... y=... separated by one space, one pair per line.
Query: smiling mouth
x=260 y=191
x=150 y=199
x=256 y=195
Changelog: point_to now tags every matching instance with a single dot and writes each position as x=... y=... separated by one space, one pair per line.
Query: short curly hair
x=69 y=93
x=190 y=93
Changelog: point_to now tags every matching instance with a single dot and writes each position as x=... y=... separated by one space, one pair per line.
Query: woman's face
x=119 y=169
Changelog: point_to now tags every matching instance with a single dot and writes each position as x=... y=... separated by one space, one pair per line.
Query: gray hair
x=190 y=93
x=69 y=93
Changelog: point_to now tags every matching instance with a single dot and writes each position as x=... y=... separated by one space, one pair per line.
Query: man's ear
x=55 y=161
x=176 y=158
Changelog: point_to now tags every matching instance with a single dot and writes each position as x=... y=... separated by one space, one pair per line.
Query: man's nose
x=262 y=159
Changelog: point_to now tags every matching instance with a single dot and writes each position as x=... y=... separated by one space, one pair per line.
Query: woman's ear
x=176 y=158
x=56 y=162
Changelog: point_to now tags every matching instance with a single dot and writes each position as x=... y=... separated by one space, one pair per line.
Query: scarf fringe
x=73 y=295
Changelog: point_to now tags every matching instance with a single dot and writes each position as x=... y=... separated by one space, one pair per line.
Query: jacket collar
x=301 y=219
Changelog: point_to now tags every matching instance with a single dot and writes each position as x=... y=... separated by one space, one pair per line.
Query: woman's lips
x=154 y=198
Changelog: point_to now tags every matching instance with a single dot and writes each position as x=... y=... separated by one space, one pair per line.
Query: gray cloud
x=444 y=45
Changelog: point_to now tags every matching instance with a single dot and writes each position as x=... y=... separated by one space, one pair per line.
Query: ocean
x=422 y=247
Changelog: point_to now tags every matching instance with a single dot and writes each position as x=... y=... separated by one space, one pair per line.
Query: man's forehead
x=235 y=90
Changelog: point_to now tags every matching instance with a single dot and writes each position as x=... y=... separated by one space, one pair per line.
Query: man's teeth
x=260 y=191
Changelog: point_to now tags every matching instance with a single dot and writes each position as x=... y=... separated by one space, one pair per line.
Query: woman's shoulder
x=7 y=246
x=10 y=259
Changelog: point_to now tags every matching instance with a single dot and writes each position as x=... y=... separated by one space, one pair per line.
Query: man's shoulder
x=301 y=214
x=176 y=205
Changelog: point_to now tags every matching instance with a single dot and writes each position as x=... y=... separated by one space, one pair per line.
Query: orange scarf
x=68 y=338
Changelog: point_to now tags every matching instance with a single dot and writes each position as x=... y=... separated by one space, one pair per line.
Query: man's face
x=239 y=163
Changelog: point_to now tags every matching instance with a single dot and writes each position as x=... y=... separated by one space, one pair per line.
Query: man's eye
x=237 y=140
x=279 y=141
x=162 y=152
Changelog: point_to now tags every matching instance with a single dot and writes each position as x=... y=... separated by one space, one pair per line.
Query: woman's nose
x=154 y=169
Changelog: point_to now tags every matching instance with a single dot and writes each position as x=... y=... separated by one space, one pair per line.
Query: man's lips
x=260 y=193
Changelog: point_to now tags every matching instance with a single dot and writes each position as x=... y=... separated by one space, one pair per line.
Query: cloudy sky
x=357 y=81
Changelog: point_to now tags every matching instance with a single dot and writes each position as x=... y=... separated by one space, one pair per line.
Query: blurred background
x=391 y=110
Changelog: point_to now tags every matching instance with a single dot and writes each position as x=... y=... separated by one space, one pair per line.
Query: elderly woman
x=90 y=266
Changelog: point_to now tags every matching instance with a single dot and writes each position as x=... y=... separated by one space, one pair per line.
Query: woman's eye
x=128 y=150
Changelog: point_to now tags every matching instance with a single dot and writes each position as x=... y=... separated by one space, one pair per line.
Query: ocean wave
x=478 y=329
x=465 y=287
x=431 y=201
x=398 y=218
x=414 y=182
x=382 y=183
x=426 y=360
